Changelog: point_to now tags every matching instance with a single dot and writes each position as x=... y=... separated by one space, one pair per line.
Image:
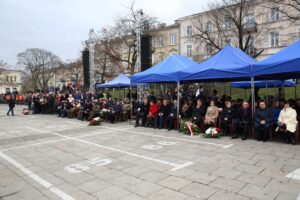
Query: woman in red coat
x=153 y=109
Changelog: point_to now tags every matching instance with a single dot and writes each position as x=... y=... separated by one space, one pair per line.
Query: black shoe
x=244 y=138
x=136 y=126
x=7 y=114
x=169 y=129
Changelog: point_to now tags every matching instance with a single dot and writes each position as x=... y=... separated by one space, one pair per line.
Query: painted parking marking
x=225 y=146
x=86 y=165
x=152 y=147
x=61 y=194
x=175 y=166
x=166 y=143
x=294 y=175
x=52 y=141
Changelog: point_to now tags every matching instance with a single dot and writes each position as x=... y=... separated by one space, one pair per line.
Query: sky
x=61 y=26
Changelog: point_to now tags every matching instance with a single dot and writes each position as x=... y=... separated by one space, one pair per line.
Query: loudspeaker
x=146 y=52
x=86 y=68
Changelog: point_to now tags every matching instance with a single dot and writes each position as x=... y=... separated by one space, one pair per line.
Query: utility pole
x=91 y=47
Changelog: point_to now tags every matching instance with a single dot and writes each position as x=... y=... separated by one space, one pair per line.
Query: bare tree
x=76 y=71
x=228 y=22
x=41 y=65
x=122 y=36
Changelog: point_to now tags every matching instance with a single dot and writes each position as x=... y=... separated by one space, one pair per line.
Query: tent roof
x=264 y=84
x=285 y=64
x=169 y=70
x=120 y=81
x=225 y=65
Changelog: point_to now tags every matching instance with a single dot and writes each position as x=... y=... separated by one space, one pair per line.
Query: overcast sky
x=60 y=26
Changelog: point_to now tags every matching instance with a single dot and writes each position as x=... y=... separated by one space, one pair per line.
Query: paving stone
x=125 y=181
x=201 y=177
x=227 y=172
x=254 y=179
x=165 y=194
x=153 y=176
x=111 y=193
x=144 y=188
x=93 y=186
x=286 y=196
x=228 y=184
x=256 y=192
x=284 y=186
x=199 y=190
x=249 y=168
x=225 y=195
x=174 y=183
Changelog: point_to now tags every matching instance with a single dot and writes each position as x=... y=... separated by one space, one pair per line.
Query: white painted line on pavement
x=175 y=165
x=37 y=178
x=225 y=146
x=51 y=141
x=294 y=175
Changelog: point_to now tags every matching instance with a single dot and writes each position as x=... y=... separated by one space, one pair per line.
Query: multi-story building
x=10 y=81
x=165 y=41
x=268 y=29
x=67 y=74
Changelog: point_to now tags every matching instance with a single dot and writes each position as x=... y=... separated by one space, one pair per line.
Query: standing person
x=11 y=104
x=29 y=100
x=262 y=121
x=287 y=123
x=242 y=121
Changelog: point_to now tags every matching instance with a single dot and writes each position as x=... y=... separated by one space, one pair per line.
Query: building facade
x=10 y=81
x=165 y=41
x=268 y=28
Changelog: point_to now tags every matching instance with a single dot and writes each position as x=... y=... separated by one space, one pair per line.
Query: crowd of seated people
x=233 y=117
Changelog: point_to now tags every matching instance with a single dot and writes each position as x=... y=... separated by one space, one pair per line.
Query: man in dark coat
x=11 y=104
x=142 y=111
x=242 y=121
x=226 y=117
x=172 y=115
x=262 y=121
x=162 y=115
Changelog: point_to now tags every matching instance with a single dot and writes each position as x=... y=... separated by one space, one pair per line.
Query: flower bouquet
x=189 y=128
x=213 y=133
x=95 y=122
x=103 y=113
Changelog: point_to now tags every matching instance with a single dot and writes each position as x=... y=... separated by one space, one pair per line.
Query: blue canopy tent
x=263 y=84
x=121 y=81
x=224 y=66
x=167 y=71
x=283 y=65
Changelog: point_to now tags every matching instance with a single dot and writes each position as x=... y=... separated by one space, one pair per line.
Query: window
x=208 y=49
x=227 y=23
x=251 y=47
x=15 y=79
x=159 y=57
x=274 y=39
x=275 y=14
x=298 y=34
x=160 y=41
x=173 y=39
x=250 y=20
x=189 y=50
x=7 y=78
x=209 y=27
x=11 y=79
x=189 y=30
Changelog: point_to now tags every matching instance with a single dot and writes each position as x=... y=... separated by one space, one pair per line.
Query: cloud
x=60 y=26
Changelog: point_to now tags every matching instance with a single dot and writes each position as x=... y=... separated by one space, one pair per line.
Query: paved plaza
x=45 y=157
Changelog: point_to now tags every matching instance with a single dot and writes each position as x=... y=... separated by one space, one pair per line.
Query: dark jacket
x=243 y=115
x=227 y=113
x=143 y=108
x=173 y=110
x=165 y=110
x=264 y=114
x=187 y=114
x=199 y=113
x=11 y=102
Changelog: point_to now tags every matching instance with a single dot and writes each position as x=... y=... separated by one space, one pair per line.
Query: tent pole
x=178 y=99
x=295 y=88
x=252 y=97
x=130 y=100
x=267 y=93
